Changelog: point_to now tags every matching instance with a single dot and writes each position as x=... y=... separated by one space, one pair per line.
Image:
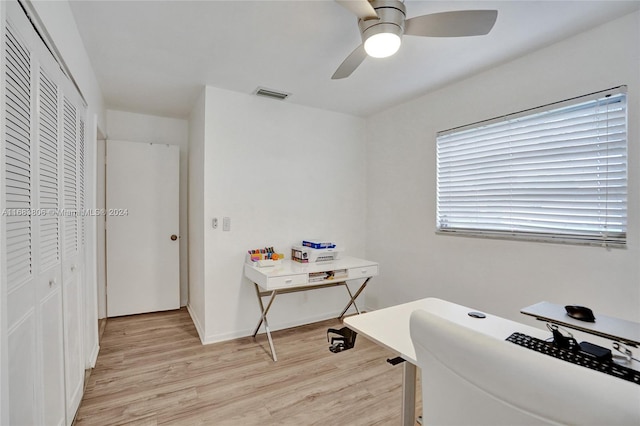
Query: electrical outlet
x=226 y=224
x=214 y=223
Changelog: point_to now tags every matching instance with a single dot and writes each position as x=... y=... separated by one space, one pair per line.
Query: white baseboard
x=222 y=337
x=368 y=309
x=93 y=358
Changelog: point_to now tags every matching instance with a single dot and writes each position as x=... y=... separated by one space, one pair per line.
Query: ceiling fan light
x=382 y=45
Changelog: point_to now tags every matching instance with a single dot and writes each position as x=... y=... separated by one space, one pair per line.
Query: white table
x=290 y=276
x=617 y=329
x=389 y=328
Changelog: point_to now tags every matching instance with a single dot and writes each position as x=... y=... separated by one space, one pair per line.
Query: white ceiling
x=154 y=57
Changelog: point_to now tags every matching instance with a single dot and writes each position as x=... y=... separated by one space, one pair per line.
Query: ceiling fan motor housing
x=391 y=14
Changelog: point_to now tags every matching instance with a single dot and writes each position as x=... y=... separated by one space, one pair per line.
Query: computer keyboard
x=576 y=357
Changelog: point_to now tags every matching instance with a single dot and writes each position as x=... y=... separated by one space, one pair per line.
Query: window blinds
x=555 y=173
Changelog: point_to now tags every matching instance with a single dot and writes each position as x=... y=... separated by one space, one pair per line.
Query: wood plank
x=153 y=370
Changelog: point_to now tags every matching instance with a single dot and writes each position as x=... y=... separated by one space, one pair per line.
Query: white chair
x=472 y=378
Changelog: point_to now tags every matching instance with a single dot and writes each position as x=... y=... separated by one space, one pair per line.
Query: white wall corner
x=197 y=323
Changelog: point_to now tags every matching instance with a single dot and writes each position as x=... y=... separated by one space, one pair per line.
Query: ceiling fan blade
x=361 y=8
x=350 y=64
x=459 y=23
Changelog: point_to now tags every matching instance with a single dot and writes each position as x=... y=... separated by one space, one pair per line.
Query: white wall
x=127 y=126
x=101 y=252
x=496 y=275
x=282 y=173
x=91 y=251
x=197 y=126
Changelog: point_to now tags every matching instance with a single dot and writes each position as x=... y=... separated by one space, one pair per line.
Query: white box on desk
x=311 y=255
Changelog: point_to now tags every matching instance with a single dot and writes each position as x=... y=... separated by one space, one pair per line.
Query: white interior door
x=142 y=228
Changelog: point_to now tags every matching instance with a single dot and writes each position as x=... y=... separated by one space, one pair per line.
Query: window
x=553 y=173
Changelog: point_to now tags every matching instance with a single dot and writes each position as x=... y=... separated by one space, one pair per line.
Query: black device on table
x=568 y=349
x=581 y=313
x=596 y=359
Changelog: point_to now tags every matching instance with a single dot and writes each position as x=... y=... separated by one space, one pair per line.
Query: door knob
x=174 y=237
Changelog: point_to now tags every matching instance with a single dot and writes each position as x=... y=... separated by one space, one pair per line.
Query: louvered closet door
x=18 y=188
x=42 y=157
x=49 y=257
x=71 y=259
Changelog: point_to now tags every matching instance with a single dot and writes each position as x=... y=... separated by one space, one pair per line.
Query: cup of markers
x=264 y=257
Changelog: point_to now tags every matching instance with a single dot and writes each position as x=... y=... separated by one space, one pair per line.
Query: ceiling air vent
x=268 y=93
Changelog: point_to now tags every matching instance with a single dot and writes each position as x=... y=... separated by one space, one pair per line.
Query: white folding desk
x=290 y=276
x=389 y=328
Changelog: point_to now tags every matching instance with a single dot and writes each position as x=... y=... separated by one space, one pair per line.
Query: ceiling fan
x=383 y=22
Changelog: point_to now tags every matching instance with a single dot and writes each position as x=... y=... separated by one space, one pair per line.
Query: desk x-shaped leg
x=263 y=318
x=353 y=298
x=272 y=295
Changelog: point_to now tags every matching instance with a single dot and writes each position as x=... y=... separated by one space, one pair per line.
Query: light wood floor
x=153 y=370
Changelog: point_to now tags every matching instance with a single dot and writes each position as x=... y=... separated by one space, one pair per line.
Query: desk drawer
x=286 y=281
x=363 y=272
